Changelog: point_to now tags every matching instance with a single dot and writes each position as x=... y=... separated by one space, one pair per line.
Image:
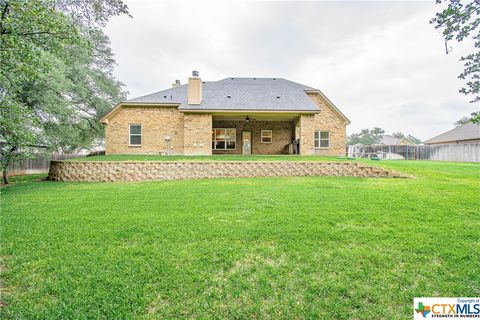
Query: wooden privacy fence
x=468 y=152
x=38 y=163
x=450 y=152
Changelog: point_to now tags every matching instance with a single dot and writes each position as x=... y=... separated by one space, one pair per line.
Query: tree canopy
x=375 y=135
x=366 y=136
x=56 y=74
x=459 y=21
x=409 y=137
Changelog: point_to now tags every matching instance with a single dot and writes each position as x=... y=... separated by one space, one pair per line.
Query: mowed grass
x=218 y=157
x=263 y=248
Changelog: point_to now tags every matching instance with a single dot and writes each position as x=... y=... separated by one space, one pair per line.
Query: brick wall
x=163 y=170
x=157 y=122
x=282 y=133
x=327 y=120
x=197 y=134
x=191 y=134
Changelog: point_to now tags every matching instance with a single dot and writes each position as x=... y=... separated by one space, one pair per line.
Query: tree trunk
x=5 y=175
x=7 y=158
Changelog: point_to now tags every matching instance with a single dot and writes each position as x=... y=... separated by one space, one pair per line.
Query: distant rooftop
x=270 y=94
x=389 y=140
x=468 y=131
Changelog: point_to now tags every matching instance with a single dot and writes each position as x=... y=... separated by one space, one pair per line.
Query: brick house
x=229 y=116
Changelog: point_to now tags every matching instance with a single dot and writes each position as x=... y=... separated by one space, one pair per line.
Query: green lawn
x=275 y=248
x=218 y=157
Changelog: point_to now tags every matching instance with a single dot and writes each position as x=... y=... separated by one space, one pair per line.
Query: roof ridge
x=157 y=92
x=252 y=78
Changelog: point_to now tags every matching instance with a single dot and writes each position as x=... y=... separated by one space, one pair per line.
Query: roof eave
x=449 y=141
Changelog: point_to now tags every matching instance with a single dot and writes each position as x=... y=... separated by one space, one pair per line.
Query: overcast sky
x=381 y=63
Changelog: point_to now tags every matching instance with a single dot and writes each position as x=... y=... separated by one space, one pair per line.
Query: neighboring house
x=389 y=140
x=466 y=133
x=230 y=116
x=393 y=148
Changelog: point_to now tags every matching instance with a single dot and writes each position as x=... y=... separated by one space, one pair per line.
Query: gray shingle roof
x=390 y=140
x=468 y=131
x=270 y=94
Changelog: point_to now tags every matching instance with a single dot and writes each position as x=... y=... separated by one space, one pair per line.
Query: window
x=266 y=136
x=322 y=139
x=135 y=138
x=224 y=139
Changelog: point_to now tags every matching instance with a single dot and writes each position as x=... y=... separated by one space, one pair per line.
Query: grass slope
x=313 y=247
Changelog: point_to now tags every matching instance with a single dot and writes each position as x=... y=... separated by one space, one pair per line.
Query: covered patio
x=255 y=133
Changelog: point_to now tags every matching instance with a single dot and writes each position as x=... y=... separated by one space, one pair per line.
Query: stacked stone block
x=169 y=170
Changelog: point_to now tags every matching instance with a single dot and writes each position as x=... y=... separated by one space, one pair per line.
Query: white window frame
x=130 y=134
x=266 y=136
x=214 y=140
x=317 y=142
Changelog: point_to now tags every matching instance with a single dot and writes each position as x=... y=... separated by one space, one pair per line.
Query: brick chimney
x=194 y=89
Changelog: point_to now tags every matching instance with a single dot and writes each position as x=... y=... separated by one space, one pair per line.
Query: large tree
x=459 y=21
x=409 y=137
x=56 y=76
x=366 y=137
x=375 y=135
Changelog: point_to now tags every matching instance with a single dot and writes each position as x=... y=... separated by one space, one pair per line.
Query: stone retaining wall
x=166 y=170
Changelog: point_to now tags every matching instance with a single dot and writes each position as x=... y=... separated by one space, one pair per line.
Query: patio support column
x=307 y=134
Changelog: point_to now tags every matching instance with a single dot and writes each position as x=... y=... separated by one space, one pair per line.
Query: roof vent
x=274 y=79
x=165 y=97
x=229 y=97
x=278 y=97
x=176 y=84
x=254 y=78
x=231 y=78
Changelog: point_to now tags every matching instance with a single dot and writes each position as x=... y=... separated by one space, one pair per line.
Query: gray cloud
x=382 y=63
